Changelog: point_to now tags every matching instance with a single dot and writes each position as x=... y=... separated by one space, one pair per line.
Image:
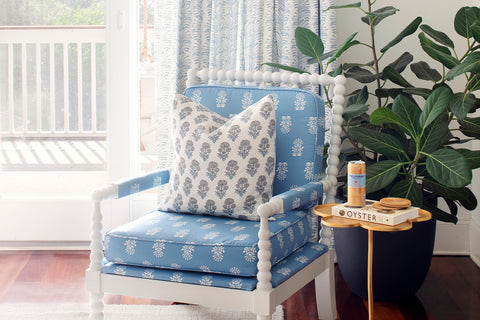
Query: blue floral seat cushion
x=204 y=243
x=280 y=272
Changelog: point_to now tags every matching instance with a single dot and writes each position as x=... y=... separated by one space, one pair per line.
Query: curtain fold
x=226 y=34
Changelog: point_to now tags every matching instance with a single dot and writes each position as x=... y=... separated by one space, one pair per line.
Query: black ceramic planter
x=400 y=260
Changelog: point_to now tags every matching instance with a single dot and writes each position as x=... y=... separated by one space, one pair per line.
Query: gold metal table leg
x=369 y=274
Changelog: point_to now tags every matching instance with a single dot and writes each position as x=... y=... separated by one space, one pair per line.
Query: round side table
x=325 y=211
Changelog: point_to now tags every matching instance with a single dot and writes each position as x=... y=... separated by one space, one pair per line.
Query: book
x=370 y=214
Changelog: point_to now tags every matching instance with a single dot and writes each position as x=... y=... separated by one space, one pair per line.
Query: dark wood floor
x=450 y=292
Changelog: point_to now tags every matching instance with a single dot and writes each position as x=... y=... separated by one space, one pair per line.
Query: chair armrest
x=300 y=197
x=137 y=184
x=123 y=188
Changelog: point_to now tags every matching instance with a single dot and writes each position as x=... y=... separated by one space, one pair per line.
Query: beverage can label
x=356 y=183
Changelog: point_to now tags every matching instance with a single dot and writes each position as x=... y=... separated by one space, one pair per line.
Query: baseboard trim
x=475 y=240
x=44 y=245
x=476 y=260
x=453 y=239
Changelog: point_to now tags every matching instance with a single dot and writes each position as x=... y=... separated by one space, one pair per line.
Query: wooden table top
x=325 y=211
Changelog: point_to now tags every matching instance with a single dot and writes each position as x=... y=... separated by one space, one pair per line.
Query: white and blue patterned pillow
x=222 y=167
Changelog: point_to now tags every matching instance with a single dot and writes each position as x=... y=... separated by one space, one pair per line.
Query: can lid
x=357 y=162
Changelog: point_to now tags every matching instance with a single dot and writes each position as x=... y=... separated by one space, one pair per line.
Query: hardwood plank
x=385 y=310
x=302 y=305
x=11 y=265
x=45 y=273
x=66 y=277
x=451 y=290
x=446 y=295
x=413 y=309
x=349 y=305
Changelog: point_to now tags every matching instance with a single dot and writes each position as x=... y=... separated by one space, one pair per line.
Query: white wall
x=439 y=14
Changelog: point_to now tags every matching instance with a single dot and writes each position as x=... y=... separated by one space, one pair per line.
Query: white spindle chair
x=262 y=300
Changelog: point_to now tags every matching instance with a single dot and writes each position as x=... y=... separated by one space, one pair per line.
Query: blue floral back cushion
x=300 y=126
x=204 y=243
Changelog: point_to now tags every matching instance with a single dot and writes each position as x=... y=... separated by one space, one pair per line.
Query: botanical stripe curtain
x=227 y=34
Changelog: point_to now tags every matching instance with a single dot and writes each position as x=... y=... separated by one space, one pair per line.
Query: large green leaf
x=401 y=62
x=361 y=75
x=470 y=64
x=411 y=28
x=470 y=127
x=351 y=5
x=348 y=43
x=359 y=97
x=476 y=32
x=424 y=40
x=354 y=110
x=464 y=195
x=422 y=92
x=408 y=189
x=461 y=104
x=434 y=135
x=448 y=167
x=392 y=75
x=394 y=130
x=309 y=43
x=338 y=71
x=452 y=206
x=323 y=57
x=470 y=202
x=423 y=71
x=375 y=17
x=382 y=143
x=472 y=157
x=381 y=174
x=409 y=112
x=350 y=65
x=388 y=92
x=283 y=67
x=439 y=53
x=439 y=214
x=464 y=19
x=436 y=103
x=385 y=115
x=438 y=36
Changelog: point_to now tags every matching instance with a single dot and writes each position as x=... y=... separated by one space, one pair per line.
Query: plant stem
x=326 y=90
x=417 y=158
x=474 y=78
x=450 y=117
x=374 y=51
x=355 y=145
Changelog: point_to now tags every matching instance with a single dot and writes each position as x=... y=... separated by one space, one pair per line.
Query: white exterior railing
x=52 y=81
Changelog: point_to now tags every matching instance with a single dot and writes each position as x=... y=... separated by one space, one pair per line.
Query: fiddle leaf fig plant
x=414 y=158
x=413 y=138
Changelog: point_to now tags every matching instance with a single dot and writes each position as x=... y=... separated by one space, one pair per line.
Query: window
x=53 y=117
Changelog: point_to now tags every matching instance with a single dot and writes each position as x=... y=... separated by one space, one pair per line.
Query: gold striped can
x=356 y=183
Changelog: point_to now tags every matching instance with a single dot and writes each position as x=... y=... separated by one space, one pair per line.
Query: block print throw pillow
x=221 y=167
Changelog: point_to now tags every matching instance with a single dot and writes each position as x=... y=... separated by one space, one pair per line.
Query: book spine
x=372 y=216
x=362 y=215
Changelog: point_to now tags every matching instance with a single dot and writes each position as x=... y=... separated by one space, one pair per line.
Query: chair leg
x=325 y=294
x=96 y=306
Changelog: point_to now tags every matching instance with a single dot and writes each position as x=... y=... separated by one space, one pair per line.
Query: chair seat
x=282 y=271
x=204 y=243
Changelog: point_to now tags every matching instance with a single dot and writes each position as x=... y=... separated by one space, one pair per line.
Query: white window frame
x=64 y=222
x=123 y=134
